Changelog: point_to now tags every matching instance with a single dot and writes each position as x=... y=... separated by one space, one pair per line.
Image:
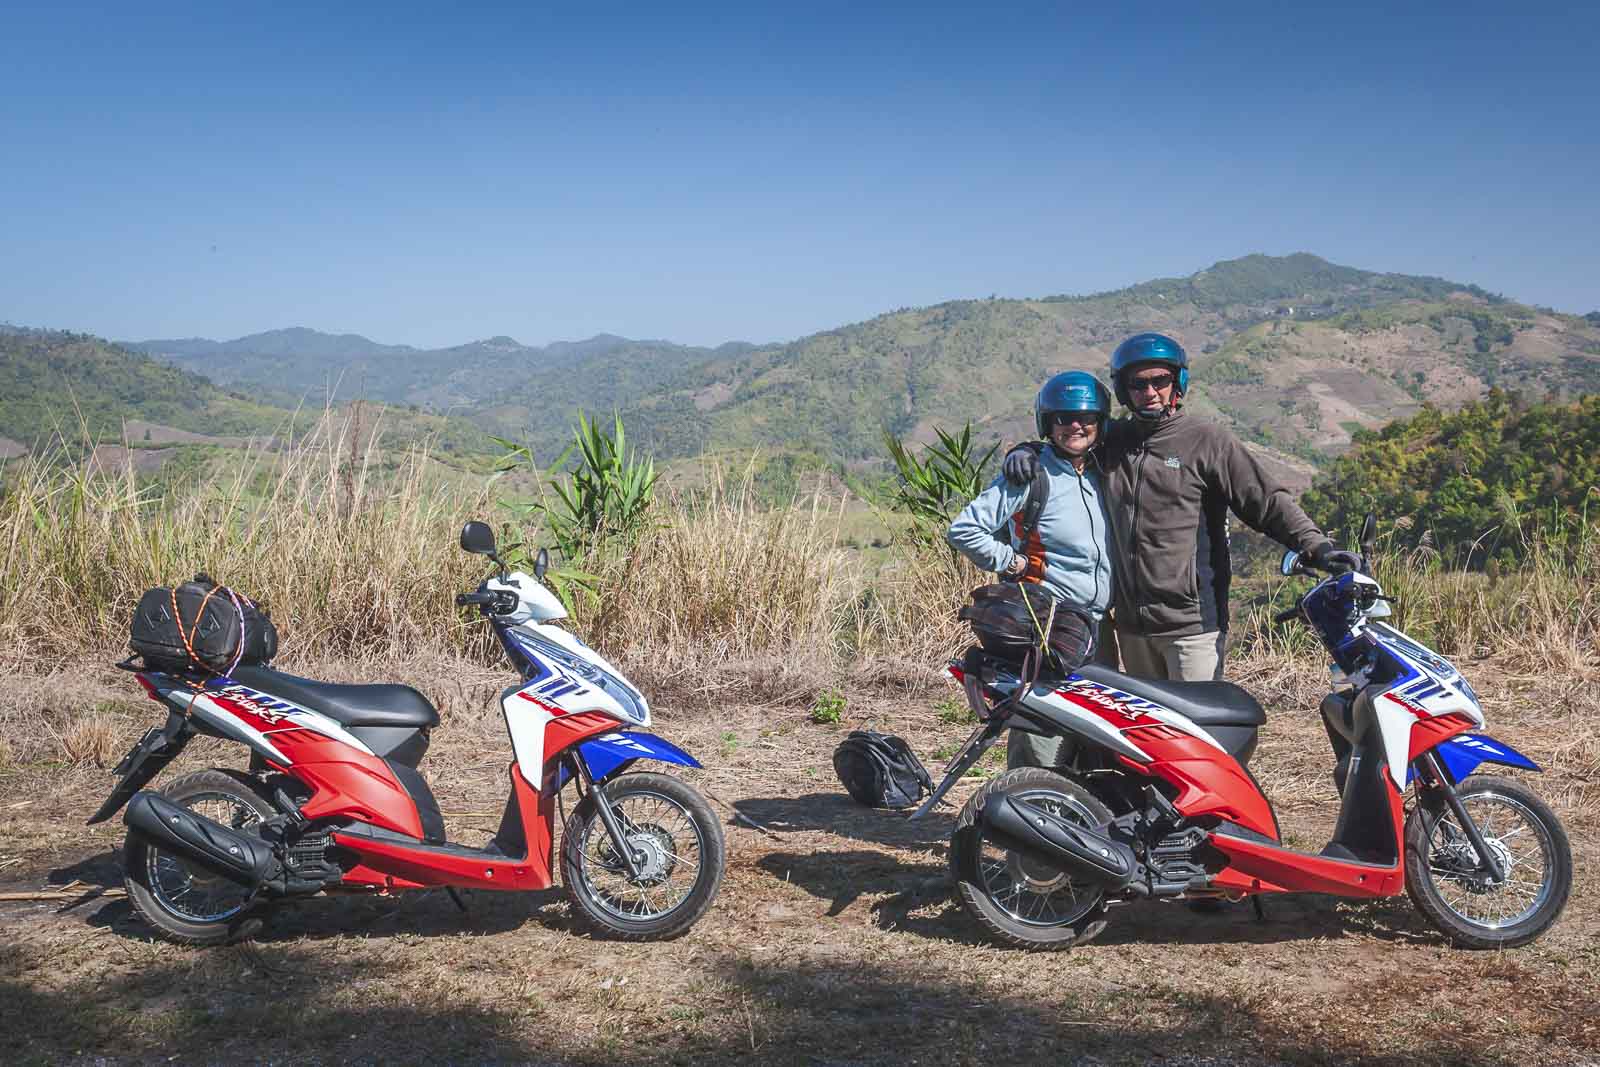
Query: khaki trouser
x=1197 y=658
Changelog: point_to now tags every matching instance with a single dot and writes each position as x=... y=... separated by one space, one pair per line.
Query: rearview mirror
x=1291 y=559
x=477 y=538
x=541 y=564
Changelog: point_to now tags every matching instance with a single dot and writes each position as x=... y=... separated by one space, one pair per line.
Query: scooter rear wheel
x=673 y=828
x=1017 y=899
x=182 y=900
x=1445 y=881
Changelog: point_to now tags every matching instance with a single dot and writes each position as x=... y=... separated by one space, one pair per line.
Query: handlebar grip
x=1287 y=616
x=463 y=599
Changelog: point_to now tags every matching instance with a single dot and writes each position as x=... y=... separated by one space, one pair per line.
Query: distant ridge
x=1294 y=352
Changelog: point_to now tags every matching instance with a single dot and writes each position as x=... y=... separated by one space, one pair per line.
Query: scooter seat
x=1202 y=703
x=350 y=705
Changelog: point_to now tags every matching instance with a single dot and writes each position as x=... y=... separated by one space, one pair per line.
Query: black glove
x=1335 y=560
x=1021 y=463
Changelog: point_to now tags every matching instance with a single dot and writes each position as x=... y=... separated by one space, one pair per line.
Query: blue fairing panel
x=609 y=753
x=1461 y=755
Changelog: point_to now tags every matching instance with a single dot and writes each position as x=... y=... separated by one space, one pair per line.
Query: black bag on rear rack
x=1009 y=619
x=201 y=626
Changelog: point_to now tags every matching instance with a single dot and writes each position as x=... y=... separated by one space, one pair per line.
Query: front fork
x=1433 y=777
x=631 y=861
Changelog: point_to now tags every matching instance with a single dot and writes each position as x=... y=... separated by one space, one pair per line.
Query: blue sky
x=428 y=176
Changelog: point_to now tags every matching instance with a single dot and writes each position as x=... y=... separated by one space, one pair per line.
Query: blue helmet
x=1073 y=390
x=1148 y=348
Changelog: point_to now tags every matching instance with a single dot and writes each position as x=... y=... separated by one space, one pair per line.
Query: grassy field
x=835 y=939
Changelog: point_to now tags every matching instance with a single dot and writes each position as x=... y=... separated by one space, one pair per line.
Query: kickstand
x=1261 y=914
x=462 y=904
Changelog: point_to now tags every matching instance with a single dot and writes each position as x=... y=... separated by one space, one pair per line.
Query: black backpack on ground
x=880 y=771
x=203 y=626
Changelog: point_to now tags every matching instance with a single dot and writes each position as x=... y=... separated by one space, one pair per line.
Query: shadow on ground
x=843 y=878
x=834 y=813
x=275 y=1003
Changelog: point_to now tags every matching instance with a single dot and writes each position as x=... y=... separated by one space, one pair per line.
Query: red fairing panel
x=345 y=781
x=391 y=865
x=1429 y=732
x=568 y=730
x=1209 y=781
x=1259 y=868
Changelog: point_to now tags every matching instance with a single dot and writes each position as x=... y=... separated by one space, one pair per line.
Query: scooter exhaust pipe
x=238 y=857
x=1077 y=850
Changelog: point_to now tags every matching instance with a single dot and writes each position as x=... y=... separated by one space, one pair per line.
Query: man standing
x=1170 y=481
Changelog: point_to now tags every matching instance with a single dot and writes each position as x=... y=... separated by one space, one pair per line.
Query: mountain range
x=1294 y=352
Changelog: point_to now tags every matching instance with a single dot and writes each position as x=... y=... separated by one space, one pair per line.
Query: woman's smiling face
x=1074 y=433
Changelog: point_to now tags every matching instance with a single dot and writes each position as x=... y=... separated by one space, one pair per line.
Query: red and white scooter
x=332 y=800
x=1153 y=798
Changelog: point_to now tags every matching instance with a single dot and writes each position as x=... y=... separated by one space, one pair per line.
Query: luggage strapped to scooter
x=201 y=627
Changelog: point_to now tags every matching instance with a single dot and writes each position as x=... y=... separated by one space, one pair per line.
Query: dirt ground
x=834 y=940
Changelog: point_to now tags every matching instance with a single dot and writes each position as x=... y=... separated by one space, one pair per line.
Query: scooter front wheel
x=680 y=848
x=1449 y=885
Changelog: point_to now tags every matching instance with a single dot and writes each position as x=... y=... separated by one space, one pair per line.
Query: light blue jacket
x=1070 y=553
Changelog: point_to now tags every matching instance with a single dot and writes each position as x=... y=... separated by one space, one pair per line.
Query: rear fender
x=1461 y=755
x=610 y=754
x=157 y=748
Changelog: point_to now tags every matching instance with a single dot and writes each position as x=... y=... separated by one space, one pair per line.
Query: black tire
x=675 y=827
x=151 y=874
x=976 y=876
x=1435 y=844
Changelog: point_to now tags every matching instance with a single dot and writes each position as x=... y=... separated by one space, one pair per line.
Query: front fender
x=1462 y=754
x=609 y=753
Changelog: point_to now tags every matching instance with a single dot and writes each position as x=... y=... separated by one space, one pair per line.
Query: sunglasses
x=1068 y=418
x=1156 y=382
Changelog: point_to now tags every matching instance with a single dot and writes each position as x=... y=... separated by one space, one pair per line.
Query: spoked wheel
x=186 y=902
x=680 y=845
x=1449 y=885
x=1023 y=901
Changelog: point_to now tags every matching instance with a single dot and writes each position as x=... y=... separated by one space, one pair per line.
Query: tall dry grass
x=353 y=550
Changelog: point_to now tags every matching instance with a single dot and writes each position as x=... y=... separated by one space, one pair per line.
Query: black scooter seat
x=1202 y=703
x=350 y=705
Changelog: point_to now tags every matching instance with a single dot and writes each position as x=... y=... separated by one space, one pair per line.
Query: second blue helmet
x=1148 y=348
x=1073 y=390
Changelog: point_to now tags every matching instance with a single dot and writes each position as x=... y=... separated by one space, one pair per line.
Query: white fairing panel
x=535 y=603
x=525 y=720
x=567 y=678
x=1436 y=688
x=1087 y=723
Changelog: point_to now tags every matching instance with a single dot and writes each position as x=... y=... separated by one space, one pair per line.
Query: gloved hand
x=1020 y=464
x=1336 y=560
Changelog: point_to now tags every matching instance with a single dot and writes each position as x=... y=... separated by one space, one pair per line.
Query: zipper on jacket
x=1133 y=540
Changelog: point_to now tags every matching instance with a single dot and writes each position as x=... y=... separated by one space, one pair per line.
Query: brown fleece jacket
x=1169 y=487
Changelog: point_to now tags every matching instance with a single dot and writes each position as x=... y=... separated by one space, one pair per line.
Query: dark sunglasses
x=1157 y=382
x=1067 y=418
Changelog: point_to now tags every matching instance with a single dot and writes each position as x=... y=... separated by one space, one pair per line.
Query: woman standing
x=1067 y=551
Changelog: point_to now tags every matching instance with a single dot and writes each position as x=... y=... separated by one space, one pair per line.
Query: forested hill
x=80 y=389
x=54 y=381
x=510 y=384
x=1296 y=353
x=1475 y=481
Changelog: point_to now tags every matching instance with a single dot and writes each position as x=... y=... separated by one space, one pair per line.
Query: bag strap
x=1038 y=495
x=187 y=635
